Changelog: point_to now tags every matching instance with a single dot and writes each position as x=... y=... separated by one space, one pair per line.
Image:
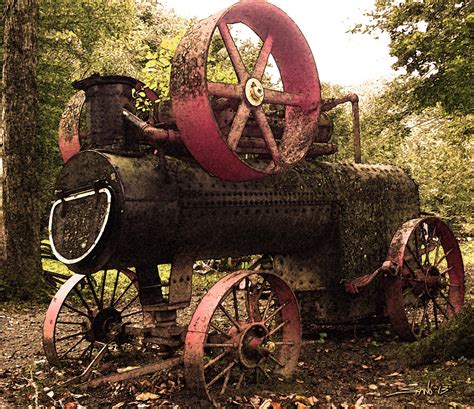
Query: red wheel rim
x=190 y=92
x=260 y=333
x=429 y=288
x=81 y=309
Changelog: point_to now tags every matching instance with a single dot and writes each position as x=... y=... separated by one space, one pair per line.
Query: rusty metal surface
x=260 y=327
x=69 y=139
x=430 y=283
x=329 y=104
x=323 y=208
x=109 y=93
x=190 y=92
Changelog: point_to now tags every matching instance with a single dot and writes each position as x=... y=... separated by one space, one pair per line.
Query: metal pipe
x=354 y=100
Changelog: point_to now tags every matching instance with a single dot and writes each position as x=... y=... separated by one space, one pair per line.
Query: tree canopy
x=433 y=42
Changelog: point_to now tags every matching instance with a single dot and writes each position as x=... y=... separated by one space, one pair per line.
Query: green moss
x=452 y=340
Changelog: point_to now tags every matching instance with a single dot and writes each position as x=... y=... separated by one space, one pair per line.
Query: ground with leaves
x=343 y=367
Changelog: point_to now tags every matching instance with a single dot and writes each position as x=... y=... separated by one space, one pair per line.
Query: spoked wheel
x=89 y=312
x=246 y=329
x=430 y=286
x=223 y=152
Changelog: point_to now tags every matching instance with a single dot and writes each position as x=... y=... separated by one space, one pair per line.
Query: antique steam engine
x=230 y=170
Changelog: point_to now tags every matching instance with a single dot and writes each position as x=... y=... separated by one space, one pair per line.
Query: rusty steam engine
x=220 y=172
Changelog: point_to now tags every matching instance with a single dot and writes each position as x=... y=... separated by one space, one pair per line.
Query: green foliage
x=342 y=118
x=433 y=41
x=78 y=38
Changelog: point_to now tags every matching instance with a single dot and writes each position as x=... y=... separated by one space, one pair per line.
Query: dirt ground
x=349 y=367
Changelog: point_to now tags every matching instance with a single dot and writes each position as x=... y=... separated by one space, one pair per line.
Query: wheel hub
x=254 y=92
x=104 y=326
x=251 y=344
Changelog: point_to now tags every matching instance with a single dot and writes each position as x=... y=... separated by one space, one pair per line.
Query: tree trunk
x=22 y=278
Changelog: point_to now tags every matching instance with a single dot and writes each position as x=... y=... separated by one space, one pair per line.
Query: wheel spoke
x=220 y=89
x=71 y=348
x=235 y=302
x=291 y=343
x=131 y=313
x=226 y=381
x=233 y=52
x=263 y=371
x=274 y=313
x=112 y=303
x=409 y=268
x=221 y=374
x=248 y=303
x=425 y=242
x=70 y=307
x=278 y=328
x=94 y=294
x=414 y=256
x=276 y=361
x=262 y=59
x=83 y=301
x=230 y=318
x=220 y=330
x=446 y=254
x=129 y=304
x=124 y=292
x=267 y=133
x=283 y=98
x=239 y=382
x=76 y=334
x=417 y=247
x=440 y=309
x=104 y=279
x=438 y=245
x=238 y=125
x=267 y=306
x=69 y=323
x=216 y=359
x=447 y=300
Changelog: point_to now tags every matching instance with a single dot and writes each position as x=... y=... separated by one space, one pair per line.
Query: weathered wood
x=22 y=267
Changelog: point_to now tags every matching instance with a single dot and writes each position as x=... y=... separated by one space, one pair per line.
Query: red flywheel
x=192 y=94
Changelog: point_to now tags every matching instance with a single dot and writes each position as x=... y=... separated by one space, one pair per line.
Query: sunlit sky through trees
x=341 y=57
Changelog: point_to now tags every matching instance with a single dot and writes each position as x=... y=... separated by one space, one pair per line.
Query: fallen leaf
x=146 y=396
x=358 y=404
x=267 y=404
x=128 y=368
x=118 y=405
x=379 y=358
x=300 y=405
x=373 y=387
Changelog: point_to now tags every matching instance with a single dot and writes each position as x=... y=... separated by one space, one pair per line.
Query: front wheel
x=246 y=328
x=429 y=288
